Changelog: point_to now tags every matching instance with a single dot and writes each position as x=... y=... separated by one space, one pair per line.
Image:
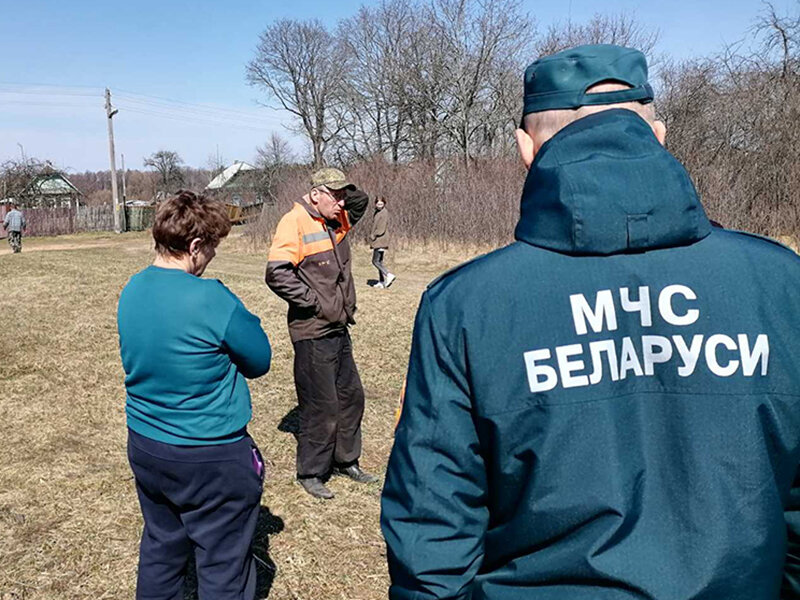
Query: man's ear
x=526 y=147
x=660 y=130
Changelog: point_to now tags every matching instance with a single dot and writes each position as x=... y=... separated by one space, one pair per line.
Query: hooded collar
x=605 y=185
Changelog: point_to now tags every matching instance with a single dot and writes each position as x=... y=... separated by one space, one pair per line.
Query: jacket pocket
x=332 y=307
x=297 y=313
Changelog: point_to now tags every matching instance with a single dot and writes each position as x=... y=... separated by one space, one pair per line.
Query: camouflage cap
x=561 y=80
x=333 y=179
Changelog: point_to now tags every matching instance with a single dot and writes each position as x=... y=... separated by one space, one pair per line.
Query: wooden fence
x=64 y=220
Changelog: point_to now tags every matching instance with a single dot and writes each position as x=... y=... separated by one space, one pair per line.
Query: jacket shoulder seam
x=764 y=238
x=453 y=270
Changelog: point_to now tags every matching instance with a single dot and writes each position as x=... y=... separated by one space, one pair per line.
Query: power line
x=51 y=104
x=144 y=102
x=45 y=89
x=199 y=107
x=165 y=109
x=185 y=116
x=194 y=120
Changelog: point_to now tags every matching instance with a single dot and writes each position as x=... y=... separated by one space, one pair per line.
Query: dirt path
x=34 y=247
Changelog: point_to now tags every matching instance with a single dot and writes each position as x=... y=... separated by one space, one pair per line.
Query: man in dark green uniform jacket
x=608 y=408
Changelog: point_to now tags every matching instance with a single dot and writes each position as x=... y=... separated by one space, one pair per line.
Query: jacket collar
x=605 y=185
x=305 y=203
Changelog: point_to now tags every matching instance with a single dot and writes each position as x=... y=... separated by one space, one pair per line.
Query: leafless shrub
x=734 y=121
x=98 y=198
x=476 y=206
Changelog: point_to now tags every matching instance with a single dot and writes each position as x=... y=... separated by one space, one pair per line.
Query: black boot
x=315 y=487
x=355 y=473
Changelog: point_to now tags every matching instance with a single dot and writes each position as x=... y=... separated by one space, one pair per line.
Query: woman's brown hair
x=185 y=217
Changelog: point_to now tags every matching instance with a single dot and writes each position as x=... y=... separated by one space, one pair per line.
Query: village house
x=49 y=190
x=238 y=186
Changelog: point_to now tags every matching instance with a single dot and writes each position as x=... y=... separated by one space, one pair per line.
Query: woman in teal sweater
x=187 y=345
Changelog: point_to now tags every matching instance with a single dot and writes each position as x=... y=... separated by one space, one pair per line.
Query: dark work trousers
x=331 y=404
x=377 y=260
x=198 y=502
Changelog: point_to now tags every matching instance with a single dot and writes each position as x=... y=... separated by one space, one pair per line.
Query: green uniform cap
x=560 y=81
x=333 y=179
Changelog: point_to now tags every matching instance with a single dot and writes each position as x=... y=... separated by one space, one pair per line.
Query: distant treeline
x=139 y=185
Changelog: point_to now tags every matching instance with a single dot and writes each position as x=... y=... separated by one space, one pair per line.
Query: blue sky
x=195 y=52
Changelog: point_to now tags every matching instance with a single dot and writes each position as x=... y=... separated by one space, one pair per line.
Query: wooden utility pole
x=110 y=112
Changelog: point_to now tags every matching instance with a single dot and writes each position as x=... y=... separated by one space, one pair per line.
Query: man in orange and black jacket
x=309 y=266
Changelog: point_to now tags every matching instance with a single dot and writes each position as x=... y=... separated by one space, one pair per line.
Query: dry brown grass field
x=69 y=518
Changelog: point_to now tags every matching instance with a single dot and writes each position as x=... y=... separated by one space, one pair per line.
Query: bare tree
x=781 y=34
x=432 y=79
x=301 y=65
x=406 y=79
x=17 y=175
x=273 y=159
x=275 y=152
x=425 y=91
x=485 y=39
x=168 y=166
x=195 y=179
x=215 y=164
x=621 y=29
x=373 y=114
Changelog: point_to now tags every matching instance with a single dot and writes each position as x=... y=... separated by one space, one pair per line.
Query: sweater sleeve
x=246 y=343
x=355 y=204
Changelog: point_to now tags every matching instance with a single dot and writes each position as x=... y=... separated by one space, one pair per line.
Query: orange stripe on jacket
x=300 y=235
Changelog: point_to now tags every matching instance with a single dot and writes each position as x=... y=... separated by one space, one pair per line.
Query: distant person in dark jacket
x=609 y=407
x=309 y=266
x=188 y=345
x=14 y=224
x=379 y=242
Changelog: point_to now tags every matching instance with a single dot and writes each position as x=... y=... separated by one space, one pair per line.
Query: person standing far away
x=309 y=266
x=188 y=345
x=14 y=223
x=609 y=407
x=379 y=242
